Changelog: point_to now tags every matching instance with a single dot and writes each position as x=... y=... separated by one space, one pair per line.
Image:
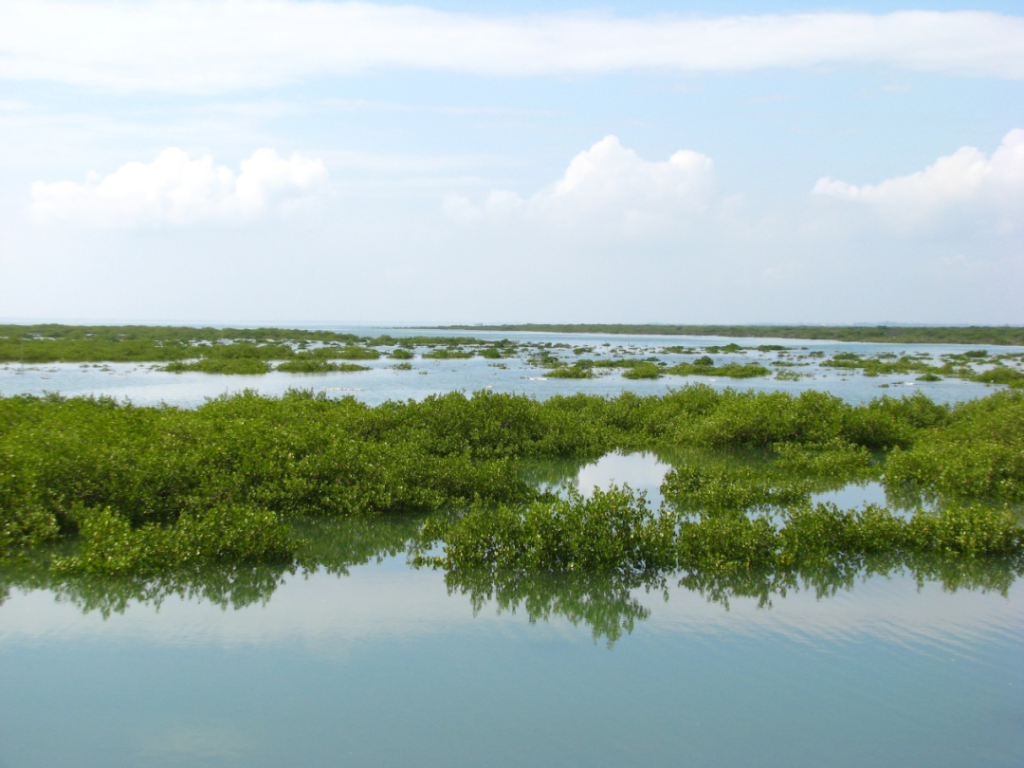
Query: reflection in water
x=335 y=545
x=610 y=604
x=645 y=471
x=331 y=545
x=554 y=473
x=604 y=602
x=607 y=603
x=235 y=586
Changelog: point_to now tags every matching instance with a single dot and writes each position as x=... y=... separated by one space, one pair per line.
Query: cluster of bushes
x=51 y=342
x=650 y=368
x=977 y=451
x=705 y=367
x=571 y=372
x=618 y=531
x=318 y=365
x=161 y=485
x=245 y=366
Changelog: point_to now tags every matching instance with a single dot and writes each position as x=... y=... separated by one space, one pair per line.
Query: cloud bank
x=175 y=189
x=207 y=46
x=607 y=185
x=965 y=183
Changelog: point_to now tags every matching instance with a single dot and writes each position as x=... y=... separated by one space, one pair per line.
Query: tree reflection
x=331 y=545
x=605 y=602
x=611 y=604
x=235 y=586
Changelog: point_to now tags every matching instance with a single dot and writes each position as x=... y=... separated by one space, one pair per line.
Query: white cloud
x=967 y=183
x=205 y=46
x=605 y=186
x=175 y=189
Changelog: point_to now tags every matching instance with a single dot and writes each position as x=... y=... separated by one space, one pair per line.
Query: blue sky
x=276 y=161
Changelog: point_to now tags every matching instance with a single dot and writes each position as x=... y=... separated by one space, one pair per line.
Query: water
x=366 y=660
x=387 y=666
x=145 y=385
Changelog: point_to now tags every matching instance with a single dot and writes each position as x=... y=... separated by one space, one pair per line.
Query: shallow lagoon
x=143 y=384
x=369 y=661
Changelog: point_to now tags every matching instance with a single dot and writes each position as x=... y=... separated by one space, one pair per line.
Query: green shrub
x=310 y=365
x=246 y=366
x=224 y=533
x=570 y=372
x=611 y=530
x=642 y=370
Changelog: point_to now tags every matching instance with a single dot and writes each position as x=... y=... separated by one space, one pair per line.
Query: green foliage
x=977 y=452
x=313 y=365
x=220 y=533
x=836 y=458
x=1001 y=375
x=571 y=372
x=245 y=366
x=296 y=455
x=24 y=521
x=611 y=530
x=760 y=420
x=728 y=371
x=617 y=531
x=713 y=490
x=888 y=422
x=161 y=470
x=643 y=370
x=245 y=350
x=449 y=354
x=338 y=352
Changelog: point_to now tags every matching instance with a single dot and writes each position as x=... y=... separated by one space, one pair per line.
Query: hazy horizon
x=453 y=162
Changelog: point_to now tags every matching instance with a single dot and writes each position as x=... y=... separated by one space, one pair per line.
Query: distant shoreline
x=973 y=334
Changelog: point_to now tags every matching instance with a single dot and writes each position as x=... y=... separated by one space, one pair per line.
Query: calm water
x=144 y=385
x=368 y=661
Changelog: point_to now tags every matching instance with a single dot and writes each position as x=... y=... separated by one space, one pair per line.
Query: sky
x=285 y=161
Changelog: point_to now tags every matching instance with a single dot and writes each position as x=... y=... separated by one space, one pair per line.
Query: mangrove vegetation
x=112 y=488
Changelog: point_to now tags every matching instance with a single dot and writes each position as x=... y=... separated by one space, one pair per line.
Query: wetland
x=532 y=546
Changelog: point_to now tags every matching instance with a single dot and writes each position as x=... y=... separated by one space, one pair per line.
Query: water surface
x=367 y=661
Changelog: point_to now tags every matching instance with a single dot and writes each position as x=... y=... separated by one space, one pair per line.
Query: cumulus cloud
x=175 y=189
x=605 y=185
x=967 y=182
x=206 y=46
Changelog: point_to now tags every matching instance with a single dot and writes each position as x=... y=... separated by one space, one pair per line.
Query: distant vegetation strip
x=53 y=343
x=252 y=352
x=1003 y=335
